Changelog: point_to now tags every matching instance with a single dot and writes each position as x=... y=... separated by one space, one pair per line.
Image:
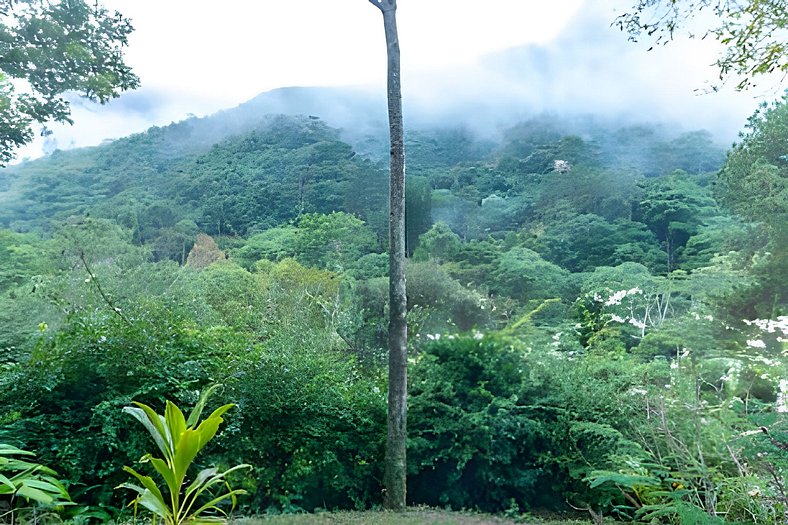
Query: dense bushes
x=312 y=425
x=602 y=380
x=473 y=440
x=65 y=403
x=505 y=421
x=497 y=427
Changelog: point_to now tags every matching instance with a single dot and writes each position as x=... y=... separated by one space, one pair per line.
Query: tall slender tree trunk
x=395 y=471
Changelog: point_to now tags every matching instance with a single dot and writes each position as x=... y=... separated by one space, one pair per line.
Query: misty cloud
x=590 y=68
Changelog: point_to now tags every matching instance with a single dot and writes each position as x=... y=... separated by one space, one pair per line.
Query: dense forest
x=597 y=314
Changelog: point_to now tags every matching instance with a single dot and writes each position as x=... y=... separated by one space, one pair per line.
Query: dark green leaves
x=55 y=48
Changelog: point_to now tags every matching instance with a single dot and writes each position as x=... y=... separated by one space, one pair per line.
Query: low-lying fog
x=588 y=68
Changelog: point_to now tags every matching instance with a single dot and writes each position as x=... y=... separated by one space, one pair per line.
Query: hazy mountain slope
x=246 y=168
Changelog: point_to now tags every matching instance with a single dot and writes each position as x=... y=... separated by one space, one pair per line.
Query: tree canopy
x=49 y=49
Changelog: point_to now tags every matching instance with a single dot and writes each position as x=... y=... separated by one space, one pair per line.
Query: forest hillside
x=597 y=311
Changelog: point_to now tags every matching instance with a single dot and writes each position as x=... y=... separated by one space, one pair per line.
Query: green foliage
x=26 y=260
x=442 y=147
x=753 y=184
x=559 y=406
x=24 y=482
x=313 y=426
x=180 y=441
x=583 y=242
x=673 y=208
x=531 y=147
x=204 y=253
x=692 y=466
x=233 y=293
x=625 y=300
x=273 y=244
x=83 y=374
x=452 y=210
x=23 y=256
x=446 y=302
x=301 y=307
x=753 y=181
x=495 y=424
x=439 y=243
x=607 y=193
x=523 y=275
x=56 y=48
x=418 y=202
x=472 y=440
x=694 y=152
x=334 y=241
x=292 y=166
x=370 y=266
x=718 y=236
x=751 y=32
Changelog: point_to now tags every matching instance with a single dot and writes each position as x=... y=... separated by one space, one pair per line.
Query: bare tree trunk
x=395 y=470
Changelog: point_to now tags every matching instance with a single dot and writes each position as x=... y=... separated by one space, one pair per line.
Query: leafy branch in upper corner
x=48 y=49
x=753 y=32
x=180 y=440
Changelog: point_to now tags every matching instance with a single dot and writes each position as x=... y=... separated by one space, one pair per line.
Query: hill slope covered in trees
x=596 y=311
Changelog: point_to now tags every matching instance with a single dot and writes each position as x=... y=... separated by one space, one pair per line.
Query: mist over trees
x=589 y=288
x=596 y=318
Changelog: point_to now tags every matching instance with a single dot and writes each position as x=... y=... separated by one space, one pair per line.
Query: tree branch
x=384 y=5
x=775 y=442
x=629 y=497
x=93 y=279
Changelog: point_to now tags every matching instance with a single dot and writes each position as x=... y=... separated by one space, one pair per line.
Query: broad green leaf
x=180 y=443
x=6 y=482
x=186 y=450
x=176 y=422
x=35 y=494
x=131 y=486
x=208 y=428
x=215 y=479
x=153 y=424
x=51 y=486
x=220 y=411
x=150 y=501
x=200 y=406
x=17 y=464
x=6 y=450
x=146 y=481
x=154 y=504
x=167 y=474
x=201 y=479
x=212 y=504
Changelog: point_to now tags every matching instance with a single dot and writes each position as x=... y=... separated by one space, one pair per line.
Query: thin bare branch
x=95 y=282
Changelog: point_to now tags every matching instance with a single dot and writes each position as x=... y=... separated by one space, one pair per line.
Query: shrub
x=473 y=441
x=313 y=427
x=66 y=401
x=25 y=485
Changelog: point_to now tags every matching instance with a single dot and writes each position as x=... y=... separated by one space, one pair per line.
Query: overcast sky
x=197 y=57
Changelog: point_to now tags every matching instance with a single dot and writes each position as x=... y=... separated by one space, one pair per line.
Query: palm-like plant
x=180 y=440
x=24 y=480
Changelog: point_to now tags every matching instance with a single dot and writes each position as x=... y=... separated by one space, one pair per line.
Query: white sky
x=234 y=52
x=200 y=56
